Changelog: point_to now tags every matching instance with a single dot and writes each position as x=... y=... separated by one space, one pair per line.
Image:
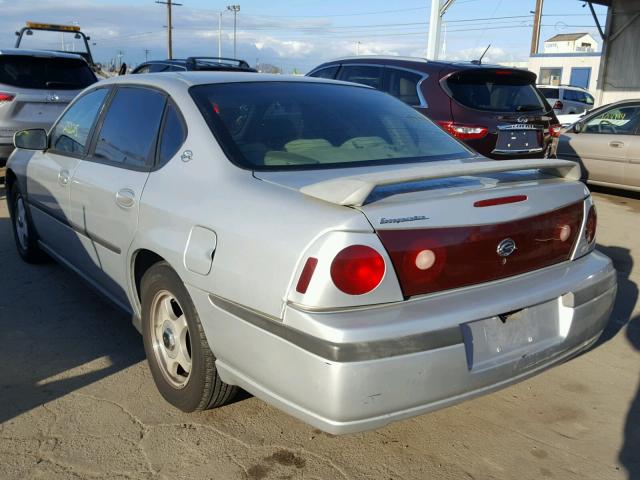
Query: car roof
x=203 y=77
x=419 y=60
x=39 y=53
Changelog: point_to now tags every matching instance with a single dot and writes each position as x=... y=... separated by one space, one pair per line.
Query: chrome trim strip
x=342 y=352
x=517 y=152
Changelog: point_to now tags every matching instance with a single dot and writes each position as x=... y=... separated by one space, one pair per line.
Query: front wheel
x=23 y=231
x=180 y=360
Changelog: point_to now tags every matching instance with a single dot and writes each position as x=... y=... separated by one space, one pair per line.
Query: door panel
x=633 y=162
x=107 y=186
x=107 y=223
x=603 y=156
x=48 y=184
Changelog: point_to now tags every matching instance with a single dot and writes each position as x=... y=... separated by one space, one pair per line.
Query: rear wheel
x=181 y=362
x=23 y=231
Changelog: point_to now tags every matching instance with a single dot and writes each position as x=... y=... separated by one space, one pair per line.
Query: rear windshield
x=496 y=91
x=549 y=92
x=45 y=73
x=295 y=125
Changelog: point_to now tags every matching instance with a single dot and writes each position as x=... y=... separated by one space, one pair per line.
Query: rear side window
x=328 y=72
x=45 y=73
x=549 y=92
x=365 y=75
x=495 y=91
x=174 y=134
x=71 y=133
x=574 y=96
x=159 y=67
x=403 y=85
x=130 y=127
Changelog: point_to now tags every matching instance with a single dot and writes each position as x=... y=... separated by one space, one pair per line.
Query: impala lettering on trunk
x=415 y=218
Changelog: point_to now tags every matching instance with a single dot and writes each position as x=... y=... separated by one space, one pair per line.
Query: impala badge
x=506 y=247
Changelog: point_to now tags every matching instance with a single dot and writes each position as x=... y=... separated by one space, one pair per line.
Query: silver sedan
x=319 y=244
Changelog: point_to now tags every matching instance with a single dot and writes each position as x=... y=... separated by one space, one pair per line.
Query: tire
x=181 y=363
x=23 y=231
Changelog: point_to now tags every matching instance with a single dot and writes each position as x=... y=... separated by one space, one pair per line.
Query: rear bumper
x=397 y=361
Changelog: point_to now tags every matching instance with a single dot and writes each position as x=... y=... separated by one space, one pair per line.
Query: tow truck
x=31 y=27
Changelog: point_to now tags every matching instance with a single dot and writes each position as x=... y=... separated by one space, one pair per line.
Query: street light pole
x=219 y=34
x=235 y=9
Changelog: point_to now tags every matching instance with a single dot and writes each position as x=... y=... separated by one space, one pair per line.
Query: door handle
x=126 y=198
x=63 y=177
x=616 y=144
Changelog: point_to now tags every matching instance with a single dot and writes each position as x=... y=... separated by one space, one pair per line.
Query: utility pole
x=358 y=48
x=438 y=9
x=146 y=54
x=219 y=34
x=235 y=9
x=535 y=36
x=169 y=5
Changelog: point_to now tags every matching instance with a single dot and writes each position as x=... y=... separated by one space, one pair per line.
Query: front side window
x=403 y=85
x=366 y=75
x=130 y=127
x=618 y=121
x=296 y=125
x=71 y=133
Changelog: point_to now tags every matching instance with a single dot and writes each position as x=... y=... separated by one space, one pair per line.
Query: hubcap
x=171 y=339
x=22 y=228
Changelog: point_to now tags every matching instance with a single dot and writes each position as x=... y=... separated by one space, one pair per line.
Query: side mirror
x=578 y=127
x=34 y=139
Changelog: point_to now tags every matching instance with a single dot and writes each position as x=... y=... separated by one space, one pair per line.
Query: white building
x=568 y=59
x=571 y=43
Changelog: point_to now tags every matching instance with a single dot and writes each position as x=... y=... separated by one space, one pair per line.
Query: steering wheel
x=608 y=124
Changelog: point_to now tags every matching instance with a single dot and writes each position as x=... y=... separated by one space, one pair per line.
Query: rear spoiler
x=354 y=190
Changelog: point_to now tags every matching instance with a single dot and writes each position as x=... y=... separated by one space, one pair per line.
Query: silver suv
x=566 y=99
x=35 y=87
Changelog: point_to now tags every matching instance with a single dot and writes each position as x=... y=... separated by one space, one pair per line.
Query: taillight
x=590 y=228
x=357 y=269
x=429 y=260
x=554 y=130
x=558 y=105
x=307 y=273
x=6 y=97
x=464 y=132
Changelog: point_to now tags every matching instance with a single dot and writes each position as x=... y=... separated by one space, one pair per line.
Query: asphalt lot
x=77 y=400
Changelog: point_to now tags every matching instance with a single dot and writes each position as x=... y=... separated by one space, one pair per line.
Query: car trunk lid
x=447 y=225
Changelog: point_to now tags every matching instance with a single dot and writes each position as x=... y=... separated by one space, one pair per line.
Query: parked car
x=495 y=110
x=606 y=142
x=567 y=99
x=321 y=245
x=35 y=87
x=194 y=63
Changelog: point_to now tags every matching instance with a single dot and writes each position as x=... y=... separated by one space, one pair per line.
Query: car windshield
x=294 y=125
x=496 y=90
x=24 y=71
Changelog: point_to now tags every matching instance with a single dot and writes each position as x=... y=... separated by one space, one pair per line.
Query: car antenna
x=479 y=61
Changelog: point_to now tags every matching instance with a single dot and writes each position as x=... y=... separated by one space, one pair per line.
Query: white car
x=320 y=244
x=567 y=99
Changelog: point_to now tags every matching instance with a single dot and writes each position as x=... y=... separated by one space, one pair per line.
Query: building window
x=550 y=76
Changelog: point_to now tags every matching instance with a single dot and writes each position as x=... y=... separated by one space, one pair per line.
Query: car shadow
x=57 y=336
x=622 y=319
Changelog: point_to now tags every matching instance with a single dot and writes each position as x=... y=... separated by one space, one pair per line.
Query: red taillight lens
x=6 y=97
x=434 y=259
x=307 y=273
x=357 y=269
x=554 y=130
x=491 y=202
x=464 y=132
x=558 y=105
x=590 y=228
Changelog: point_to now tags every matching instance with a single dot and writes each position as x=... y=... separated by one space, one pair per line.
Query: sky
x=297 y=35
